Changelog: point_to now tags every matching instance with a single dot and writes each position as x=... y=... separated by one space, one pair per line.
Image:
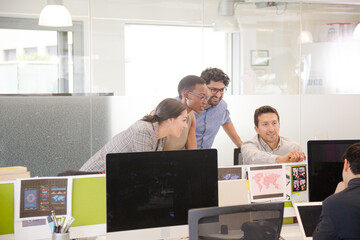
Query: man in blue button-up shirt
x=216 y=113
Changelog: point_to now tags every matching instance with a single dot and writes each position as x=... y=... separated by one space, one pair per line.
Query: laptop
x=308 y=215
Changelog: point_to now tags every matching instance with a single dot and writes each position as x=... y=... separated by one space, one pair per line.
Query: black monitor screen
x=156 y=189
x=325 y=166
x=310 y=217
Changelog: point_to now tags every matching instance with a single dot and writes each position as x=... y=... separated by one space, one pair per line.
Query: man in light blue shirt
x=216 y=113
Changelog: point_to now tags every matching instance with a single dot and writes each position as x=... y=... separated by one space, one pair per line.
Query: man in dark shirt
x=340 y=216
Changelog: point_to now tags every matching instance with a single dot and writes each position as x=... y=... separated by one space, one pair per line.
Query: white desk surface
x=291 y=232
x=288 y=232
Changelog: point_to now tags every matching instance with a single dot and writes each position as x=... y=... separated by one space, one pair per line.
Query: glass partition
x=330 y=62
x=139 y=51
x=268 y=53
x=40 y=60
x=296 y=48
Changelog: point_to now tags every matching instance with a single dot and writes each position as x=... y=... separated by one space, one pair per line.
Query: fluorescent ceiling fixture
x=356 y=33
x=305 y=37
x=55 y=14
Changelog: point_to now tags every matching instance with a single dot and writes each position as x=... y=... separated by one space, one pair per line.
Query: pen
x=61 y=222
x=57 y=227
x=54 y=218
x=64 y=224
x=71 y=219
x=51 y=223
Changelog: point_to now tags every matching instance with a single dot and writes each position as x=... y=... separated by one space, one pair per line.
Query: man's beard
x=210 y=102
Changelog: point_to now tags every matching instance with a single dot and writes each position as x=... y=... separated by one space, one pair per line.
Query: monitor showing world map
x=267 y=182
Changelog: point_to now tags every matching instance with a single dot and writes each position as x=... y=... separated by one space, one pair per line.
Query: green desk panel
x=89 y=201
x=6 y=208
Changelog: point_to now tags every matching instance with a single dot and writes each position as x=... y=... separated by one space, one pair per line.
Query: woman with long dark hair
x=146 y=134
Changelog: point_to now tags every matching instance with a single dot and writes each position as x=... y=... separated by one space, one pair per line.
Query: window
x=158 y=57
x=51 y=50
x=9 y=55
x=39 y=60
x=30 y=51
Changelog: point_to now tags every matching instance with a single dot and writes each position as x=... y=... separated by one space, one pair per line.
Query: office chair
x=238 y=159
x=258 y=221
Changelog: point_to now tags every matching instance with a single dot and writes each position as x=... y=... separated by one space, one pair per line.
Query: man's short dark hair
x=216 y=75
x=189 y=83
x=262 y=110
x=352 y=154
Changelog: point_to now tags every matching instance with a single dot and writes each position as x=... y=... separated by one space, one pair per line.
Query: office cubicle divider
x=88 y=203
x=89 y=198
x=7 y=207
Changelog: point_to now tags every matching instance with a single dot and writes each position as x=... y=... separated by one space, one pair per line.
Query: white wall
x=329 y=117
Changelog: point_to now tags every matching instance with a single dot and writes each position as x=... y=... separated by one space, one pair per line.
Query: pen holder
x=61 y=236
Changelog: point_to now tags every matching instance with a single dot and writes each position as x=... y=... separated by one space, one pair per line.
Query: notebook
x=308 y=215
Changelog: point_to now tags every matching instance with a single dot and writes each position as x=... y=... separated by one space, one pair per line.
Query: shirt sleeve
x=325 y=229
x=253 y=155
x=226 y=117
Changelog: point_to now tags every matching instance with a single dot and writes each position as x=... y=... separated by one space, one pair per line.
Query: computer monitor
x=152 y=190
x=325 y=166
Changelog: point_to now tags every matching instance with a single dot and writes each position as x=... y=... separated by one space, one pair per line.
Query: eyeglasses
x=202 y=97
x=216 y=90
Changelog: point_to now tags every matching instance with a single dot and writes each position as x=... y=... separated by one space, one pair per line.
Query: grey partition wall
x=51 y=134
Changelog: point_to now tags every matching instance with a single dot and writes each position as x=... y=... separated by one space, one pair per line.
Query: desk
x=288 y=232
x=291 y=232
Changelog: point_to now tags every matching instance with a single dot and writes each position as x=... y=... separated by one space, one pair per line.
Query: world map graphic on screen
x=266 y=182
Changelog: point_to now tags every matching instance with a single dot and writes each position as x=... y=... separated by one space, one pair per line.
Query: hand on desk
x=293 y=156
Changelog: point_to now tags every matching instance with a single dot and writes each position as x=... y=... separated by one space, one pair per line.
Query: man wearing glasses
x=216 y=113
